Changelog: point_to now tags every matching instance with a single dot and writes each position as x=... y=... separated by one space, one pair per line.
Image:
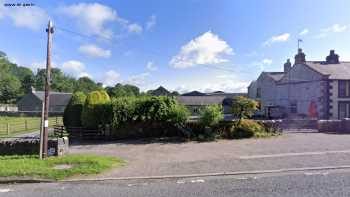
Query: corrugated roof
x=335 y=71
x=56 y=98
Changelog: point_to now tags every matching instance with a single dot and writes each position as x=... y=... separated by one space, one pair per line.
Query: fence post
x=26 y=125
x=8 y=128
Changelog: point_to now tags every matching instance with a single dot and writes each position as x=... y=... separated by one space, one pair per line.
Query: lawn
x=20 y=125
x=31 y=166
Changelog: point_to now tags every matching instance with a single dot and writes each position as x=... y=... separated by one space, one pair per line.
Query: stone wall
x=31 y=147
x=334 y=126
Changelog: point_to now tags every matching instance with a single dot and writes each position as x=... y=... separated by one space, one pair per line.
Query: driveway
x=291 y=150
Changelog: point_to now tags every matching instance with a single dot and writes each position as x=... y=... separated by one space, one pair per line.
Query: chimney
x=300 y=57
x=287 y=66
x=332 y=58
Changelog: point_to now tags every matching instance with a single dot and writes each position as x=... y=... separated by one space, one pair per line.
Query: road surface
x=309 y=183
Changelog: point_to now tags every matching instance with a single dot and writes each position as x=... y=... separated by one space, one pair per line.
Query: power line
x=153 y=53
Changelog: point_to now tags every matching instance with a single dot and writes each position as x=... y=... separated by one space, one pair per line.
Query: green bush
x=246 y=129
x=150 y=116
x=72 y=113
x=96 y=110
x=211 y=115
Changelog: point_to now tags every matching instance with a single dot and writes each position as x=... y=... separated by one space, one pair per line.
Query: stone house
x=32 y=102
x=314 y=89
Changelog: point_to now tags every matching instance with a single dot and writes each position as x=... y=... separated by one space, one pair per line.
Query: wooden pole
x=8 y=129
x=41 y=132
x=49 y=31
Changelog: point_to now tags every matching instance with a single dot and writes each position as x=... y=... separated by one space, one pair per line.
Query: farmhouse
x=314 y=89
x=32 y=102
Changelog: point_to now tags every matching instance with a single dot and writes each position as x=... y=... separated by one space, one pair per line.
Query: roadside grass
x=22 y=125
x=32 y=166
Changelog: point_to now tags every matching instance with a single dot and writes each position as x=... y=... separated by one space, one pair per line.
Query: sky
x=183 y=45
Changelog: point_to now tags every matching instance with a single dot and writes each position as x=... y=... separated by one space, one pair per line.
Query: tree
x=86 y=85
x=243 y=107
x=9 y=88
x=120 y=90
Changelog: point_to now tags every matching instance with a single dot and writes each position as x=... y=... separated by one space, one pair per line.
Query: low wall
x=334 y=126
x=57 y=147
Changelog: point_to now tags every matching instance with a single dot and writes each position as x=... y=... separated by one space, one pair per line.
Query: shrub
x=272 y=127
x=96 y=109
x=72 y=113
x=246 y=129
x=178 y=114
x=211 y=115
x=149 y=116
x=243 y=107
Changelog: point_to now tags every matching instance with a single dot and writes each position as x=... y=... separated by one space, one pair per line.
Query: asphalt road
x=312 y=183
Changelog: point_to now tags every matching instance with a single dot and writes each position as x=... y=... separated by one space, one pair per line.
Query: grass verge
x=31 y=166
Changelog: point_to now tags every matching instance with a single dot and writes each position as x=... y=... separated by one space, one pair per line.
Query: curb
x=24 y=180
x=232 y=173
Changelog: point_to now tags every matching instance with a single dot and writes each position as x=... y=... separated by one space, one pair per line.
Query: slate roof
x=335 y=71
x=200 y=100
x=56 y=98
x=276 y=76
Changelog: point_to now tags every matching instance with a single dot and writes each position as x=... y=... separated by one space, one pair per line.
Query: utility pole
x=49 y=31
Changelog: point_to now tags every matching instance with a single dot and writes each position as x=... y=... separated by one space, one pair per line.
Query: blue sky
x=181 y=44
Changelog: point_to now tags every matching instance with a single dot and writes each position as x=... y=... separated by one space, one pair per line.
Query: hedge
x=72 y=113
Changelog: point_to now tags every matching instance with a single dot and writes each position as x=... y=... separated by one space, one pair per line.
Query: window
x=258 y=93
x=344 y=110
x=343 y=88
x=293 y=108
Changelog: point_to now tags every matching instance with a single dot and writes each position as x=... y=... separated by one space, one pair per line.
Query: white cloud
x=151 y=23
x=92 y=18
x=150 y=66
x=139 y=79
x=304 y=32
x=278 y=38
x=135 y=28
x=85 y=74
x=267 y=61
x=336 y=28
x=34 y=17
x=73 y=67
x=205 y=49
x=111 y=78
x=94 y=51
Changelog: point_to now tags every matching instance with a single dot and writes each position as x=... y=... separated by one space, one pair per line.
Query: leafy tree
x=211 y=115
x=243 y=107
x=86 y=85
x=160 y=91
x=120 y=90
x=9 y=88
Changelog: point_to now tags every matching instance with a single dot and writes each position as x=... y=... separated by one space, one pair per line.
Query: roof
x=276 y=76
x=194 y=93
x=56 y=98
x=200 y=100
x=335 y=71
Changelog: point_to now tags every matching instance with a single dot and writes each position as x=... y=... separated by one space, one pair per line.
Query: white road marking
x=293 y=154
x=180 y=182
x=198 y=181
x=5 y=190
x=316 y=173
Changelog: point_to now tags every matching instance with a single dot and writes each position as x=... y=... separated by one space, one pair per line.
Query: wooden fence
x=26 y=125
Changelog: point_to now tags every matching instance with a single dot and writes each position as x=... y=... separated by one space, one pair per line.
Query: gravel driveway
x=146 y=158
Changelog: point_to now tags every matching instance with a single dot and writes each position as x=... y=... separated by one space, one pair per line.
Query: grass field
x=10 y=126
x=31 y=166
